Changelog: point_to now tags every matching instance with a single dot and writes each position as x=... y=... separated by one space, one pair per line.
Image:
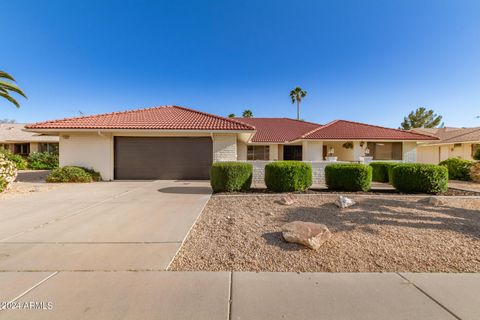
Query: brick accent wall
x=224 y=147
x=318 y=171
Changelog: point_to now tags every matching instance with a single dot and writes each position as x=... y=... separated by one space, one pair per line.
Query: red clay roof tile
x=157 y=118
x=278 y=129
x=349 y=130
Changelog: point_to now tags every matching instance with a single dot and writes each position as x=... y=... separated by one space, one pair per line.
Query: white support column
x=312 y=150
x=273 y=152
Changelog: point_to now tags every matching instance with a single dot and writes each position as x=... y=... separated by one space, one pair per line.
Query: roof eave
x=60 y=130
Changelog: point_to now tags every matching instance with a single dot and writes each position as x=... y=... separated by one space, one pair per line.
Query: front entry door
x=292 y=153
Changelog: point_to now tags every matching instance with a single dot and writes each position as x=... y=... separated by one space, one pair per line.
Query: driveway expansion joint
x=428 y=296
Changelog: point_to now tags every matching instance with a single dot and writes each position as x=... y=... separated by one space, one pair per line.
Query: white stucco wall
x=428 y=154
x=92 y=151
x=224 y=147
x=409 y=151
x=312 y=150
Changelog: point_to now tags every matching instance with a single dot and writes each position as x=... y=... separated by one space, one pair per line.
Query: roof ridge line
x=213 y=115
x=316 y=129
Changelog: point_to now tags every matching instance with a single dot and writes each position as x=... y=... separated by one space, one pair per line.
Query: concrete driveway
x=109 y=226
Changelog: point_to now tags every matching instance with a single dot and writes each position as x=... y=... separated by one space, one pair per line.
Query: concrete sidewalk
x=240 y=295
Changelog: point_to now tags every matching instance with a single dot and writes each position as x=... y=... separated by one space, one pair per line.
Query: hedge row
x=420 y=178
x=280 y=176
x=35 y=161
x=288 y=176
x=381 y=171
x=458 y=169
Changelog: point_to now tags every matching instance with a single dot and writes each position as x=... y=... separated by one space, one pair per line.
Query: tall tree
x=232 y=115
x=421 y=118
x=7 y=86
x=297 y=95
x=247 y=113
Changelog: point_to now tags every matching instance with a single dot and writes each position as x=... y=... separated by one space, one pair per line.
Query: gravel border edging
x=393 y=195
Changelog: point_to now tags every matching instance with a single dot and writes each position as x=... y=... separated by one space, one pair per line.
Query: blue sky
x=370 y=61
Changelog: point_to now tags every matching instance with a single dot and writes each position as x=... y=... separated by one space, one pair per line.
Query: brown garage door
x=163 y=158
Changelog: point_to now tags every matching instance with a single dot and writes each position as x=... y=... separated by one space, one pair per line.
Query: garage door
x=163 y=158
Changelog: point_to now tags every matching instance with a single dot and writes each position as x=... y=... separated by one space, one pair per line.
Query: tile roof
x=13 y=132
x=278 y=129
x=349 y=130
x=451 y=135
x=157 y=118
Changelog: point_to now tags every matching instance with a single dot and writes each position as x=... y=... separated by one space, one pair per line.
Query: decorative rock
x=287 y=200
x=311 y=235
x=344 y=202
x=434 y=201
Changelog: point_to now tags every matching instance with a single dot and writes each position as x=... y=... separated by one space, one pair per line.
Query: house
x=15 y=139
x=172 y=142
x=452 y=142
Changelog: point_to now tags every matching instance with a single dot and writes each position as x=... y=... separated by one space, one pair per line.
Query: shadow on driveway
x=186 y=190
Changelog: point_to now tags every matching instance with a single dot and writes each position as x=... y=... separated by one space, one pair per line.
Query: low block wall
x=318 y=170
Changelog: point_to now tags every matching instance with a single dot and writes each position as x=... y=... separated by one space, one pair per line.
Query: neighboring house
x=15 y=139
x=172 y=142
x=453 y=142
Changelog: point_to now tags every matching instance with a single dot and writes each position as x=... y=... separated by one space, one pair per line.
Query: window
x=48 y=147
x=22 y=148
x=385 y=150
x=4 y=146
x=258 y=153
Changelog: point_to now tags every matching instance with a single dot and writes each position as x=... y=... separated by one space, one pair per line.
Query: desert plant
x=458 y=169
x=380 y=170
x=8 y=172
x=73 y=174
x=420 y=178
x=286 y=176
x=348 y=177
x=475 y=172
x=18 y=160
x=231 y=176
x=42 y=161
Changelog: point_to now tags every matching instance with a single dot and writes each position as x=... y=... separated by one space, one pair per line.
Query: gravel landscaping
x=387 y=233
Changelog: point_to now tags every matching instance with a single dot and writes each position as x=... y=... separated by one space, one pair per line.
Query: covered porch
x=332 y=150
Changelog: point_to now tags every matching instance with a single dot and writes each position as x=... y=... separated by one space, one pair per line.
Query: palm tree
x=247 y=113
x=231 y=115
x=297 y=95
x=6 y=87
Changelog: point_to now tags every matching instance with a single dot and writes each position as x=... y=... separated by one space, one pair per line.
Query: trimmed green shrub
x=42 y=161
x=476 y=155
x=380 y=170
x=231 y=176
x=73 y=174
x=286 y=176
x=18 y=160
x=8 y=172
x=458 y=169
x=420 y=178
x=348 y=177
